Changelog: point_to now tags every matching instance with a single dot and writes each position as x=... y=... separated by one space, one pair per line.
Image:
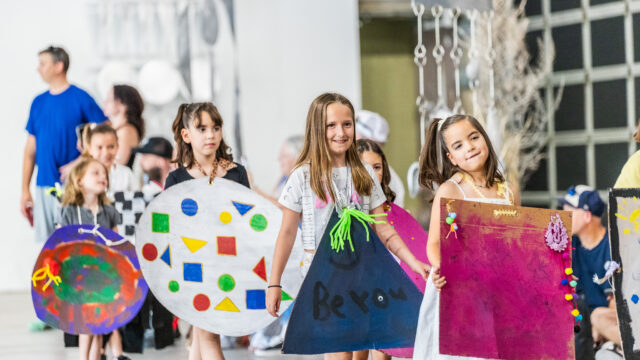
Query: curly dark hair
x=370 y=145
x=130 y=97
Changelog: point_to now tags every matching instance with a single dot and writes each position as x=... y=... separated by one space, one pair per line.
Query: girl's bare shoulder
x=450 y=188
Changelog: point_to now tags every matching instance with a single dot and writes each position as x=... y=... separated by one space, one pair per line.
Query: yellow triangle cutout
x=227 y=305
x=193 y=244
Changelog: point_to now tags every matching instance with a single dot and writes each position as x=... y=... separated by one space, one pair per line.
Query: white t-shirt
x=292 y=196
x=121 y=179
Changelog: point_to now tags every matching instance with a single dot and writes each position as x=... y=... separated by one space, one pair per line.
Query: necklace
x=474 y=186
x=213 y=169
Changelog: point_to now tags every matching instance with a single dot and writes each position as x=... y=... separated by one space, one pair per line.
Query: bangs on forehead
x=198 y=119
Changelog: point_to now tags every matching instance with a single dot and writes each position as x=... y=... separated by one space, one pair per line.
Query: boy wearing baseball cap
x=591 y=256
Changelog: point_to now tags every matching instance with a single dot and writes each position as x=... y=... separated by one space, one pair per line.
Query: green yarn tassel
x=342 y=229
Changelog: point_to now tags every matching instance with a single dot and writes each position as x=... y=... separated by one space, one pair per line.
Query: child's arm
x=284 y=243
x=396 y=245
x=447 y=190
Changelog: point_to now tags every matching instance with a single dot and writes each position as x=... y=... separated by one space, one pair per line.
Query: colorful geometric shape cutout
x=258 y=222
x=227 y=305
x=193 y=244
x=159 y=223
x=242 y=208
x=225 y=217
x=226 y=245
x=192 y=272
x=286 y=296
x=261 y=269
x=226 y=282
x=256 y=300
x=166 y=256
x=189 y=207
x=174 y=286
x=201 y=302
x=149 y=252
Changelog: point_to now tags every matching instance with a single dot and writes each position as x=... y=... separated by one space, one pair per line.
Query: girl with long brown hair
x=329 y=175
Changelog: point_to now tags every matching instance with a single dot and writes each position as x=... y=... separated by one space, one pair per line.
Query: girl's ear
x=450 y=157
x=185 y=135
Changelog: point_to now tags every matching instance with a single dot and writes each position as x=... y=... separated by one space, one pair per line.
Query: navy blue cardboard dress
x=353 y=300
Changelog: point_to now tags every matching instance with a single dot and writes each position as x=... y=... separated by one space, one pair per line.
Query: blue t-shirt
x=53 y=120
x=586 y=263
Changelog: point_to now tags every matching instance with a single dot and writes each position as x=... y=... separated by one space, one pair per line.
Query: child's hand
x=274 y=295
x=420 y=268
x=438 y=280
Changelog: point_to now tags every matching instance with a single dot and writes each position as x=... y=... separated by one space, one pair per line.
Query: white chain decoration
x=490 y=56
x=474 y=81
x=438 y=52
x=456 y=56
x=420 y=59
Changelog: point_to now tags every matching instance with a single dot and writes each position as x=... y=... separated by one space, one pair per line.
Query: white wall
x=27 y=27
x=291 y=51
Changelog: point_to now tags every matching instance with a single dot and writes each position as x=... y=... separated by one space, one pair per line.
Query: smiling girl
x=329 y=175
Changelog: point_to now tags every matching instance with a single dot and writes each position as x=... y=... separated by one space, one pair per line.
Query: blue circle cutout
x=189 y=207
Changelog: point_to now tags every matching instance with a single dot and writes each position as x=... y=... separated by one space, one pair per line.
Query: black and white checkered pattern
x=130 y=205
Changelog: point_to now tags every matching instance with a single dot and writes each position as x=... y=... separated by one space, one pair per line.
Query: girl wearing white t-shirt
x=101 y=143
x=329 y=174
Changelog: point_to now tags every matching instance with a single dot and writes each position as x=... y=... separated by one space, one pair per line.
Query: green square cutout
x=159 y=223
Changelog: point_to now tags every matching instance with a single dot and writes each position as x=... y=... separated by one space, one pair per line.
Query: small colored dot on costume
x=174 y=286
x=635 y=298
x=225 y=217
x=575 y=312
x=568 y=271
x=573 y=283
x=564 y=282
x=226 y=282
x=149 y=252
x=189 y=207
x=258 y=222
x=579 y=318
x=568 y=297
x=201 y=302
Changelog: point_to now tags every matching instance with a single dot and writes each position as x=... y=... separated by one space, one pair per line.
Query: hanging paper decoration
x=624 y=235
x=353 y=300
x=501 y=300
x=87 y=280
x=206 y=252
x=415 y=237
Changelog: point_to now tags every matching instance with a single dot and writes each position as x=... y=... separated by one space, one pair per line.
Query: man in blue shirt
x=591 y=256
x=51 y=142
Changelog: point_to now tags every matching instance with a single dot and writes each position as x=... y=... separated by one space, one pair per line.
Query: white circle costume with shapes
x=206 y=252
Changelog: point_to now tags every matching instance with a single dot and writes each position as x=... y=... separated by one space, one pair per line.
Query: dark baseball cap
x=156 y=146
x=584 y=197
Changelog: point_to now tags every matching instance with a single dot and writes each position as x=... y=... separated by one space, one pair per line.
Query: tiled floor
x=17 y=343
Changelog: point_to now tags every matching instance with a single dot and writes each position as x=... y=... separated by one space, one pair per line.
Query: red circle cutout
x=149 y=252
x=201 y=302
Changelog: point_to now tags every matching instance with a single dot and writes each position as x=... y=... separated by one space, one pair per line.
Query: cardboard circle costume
x=206 y=252
x=87 y=280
